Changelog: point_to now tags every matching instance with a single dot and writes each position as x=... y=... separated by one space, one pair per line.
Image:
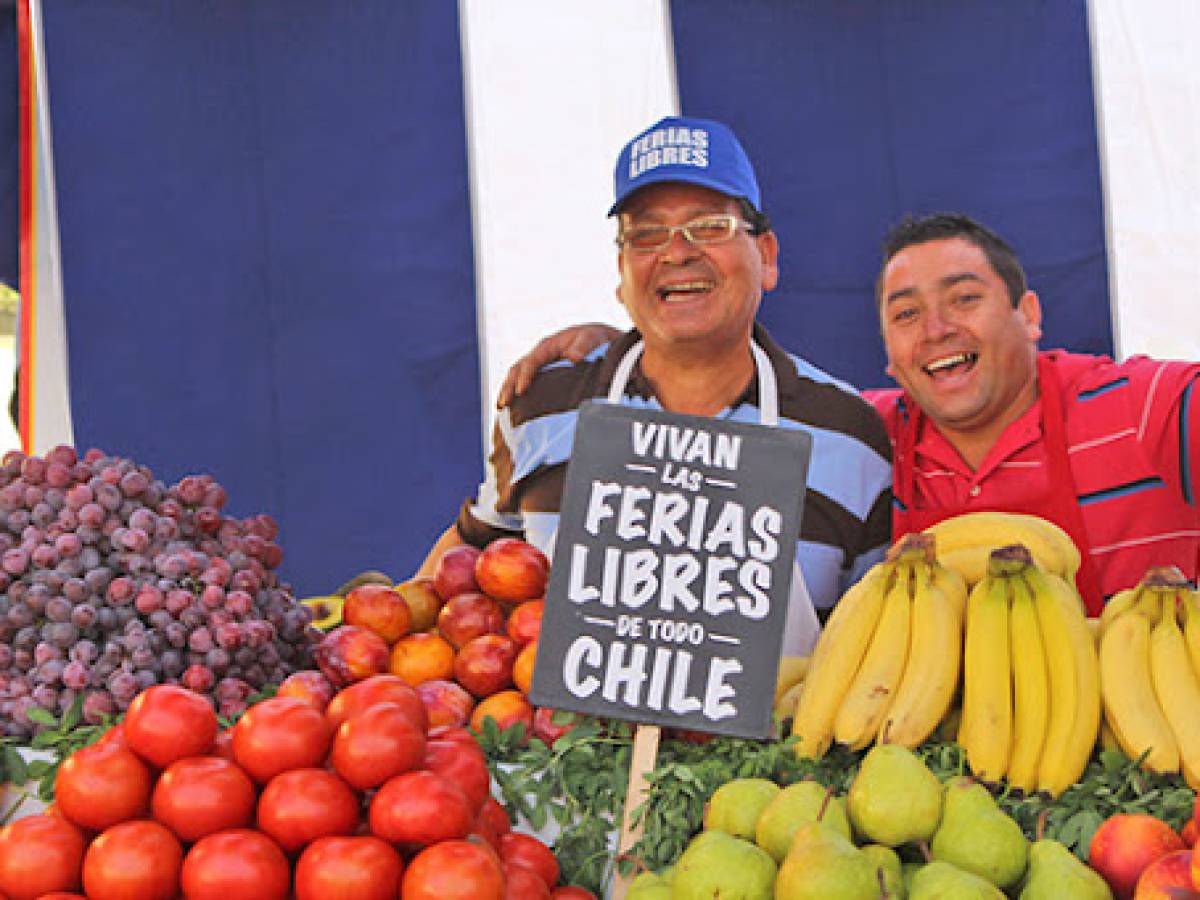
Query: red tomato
x=377 y=689
x=464 y=765
x=420 y=808
x=133 y=859
x=377 y=743
x=336 y=868
x=522 y=883
x=62 y=895
x=304 y=804
x=39 y=854
x=168 y=722
x=491 y=823
x=280 y=734
x=453 y=870
x=102 y=785
x=202 y=794
x=529 y=851
x=239 y=864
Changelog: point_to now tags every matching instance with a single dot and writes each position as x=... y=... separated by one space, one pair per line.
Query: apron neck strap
x=768 y=385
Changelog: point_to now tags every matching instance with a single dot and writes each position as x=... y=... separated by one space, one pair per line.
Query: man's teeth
x=689 y=287
x=949 y=362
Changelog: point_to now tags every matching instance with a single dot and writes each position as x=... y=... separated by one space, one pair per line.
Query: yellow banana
x=1031 y=689
x=964 y=542
x=1176 y=686
x=1118 y=603
x=1130 y=704
x=836 y=659
x=792 y=670
x=1073 y=678
x=785 y=706
x=870 y=694
x=935 y=656
x=986 y=730
x=1191 y=625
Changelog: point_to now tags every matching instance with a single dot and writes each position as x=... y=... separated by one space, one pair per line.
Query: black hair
x=941 y=226
x=759 y=222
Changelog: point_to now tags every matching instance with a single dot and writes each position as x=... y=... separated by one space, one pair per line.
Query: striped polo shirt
x=1133 y=437
x=847 y=508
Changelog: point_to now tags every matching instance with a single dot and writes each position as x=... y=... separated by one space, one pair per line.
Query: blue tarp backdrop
x=267 y=261
x=859 y=113
x=266 y=231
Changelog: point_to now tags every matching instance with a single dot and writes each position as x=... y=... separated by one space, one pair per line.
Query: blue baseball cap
x=696 y=151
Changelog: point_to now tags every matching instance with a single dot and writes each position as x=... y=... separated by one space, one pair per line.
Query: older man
x=695 y=255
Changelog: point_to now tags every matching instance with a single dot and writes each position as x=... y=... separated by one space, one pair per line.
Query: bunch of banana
x=964 y=542
x=886 y=666
x=1031 y=684
x=1149 y=668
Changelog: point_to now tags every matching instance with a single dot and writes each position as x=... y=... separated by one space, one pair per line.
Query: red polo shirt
x=1133 y=440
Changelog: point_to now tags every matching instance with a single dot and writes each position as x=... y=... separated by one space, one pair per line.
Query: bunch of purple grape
x=111 y=582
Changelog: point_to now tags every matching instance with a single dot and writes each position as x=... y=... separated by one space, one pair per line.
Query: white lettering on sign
x=634 y=578
x=627 y=672
x=687 y=445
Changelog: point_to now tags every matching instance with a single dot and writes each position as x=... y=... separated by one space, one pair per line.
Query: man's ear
x=1030 y=309
x=768 y=249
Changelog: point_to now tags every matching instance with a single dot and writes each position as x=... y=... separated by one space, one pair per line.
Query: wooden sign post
x=671 y=573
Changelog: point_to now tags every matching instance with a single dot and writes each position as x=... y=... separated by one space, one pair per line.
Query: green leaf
x=41 y=717
x=15 y=769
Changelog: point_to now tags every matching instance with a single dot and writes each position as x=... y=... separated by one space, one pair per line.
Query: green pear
x=942 y=881
x=794 y=806
x=649 y=886
x=885 y=860
x=894 y=799
x=716 y=864
x=736 y=805
x=977 y=836
x=823 y=865
x=1054 y=871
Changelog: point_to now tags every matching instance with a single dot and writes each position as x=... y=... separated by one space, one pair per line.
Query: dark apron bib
x=1059 y=503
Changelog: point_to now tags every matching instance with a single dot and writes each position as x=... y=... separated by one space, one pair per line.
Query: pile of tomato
x=356 y=798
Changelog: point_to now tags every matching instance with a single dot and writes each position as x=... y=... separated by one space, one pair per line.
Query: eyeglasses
x=714 y=229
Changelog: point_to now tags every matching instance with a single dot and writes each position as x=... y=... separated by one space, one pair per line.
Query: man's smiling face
x=686 y=295
x=955 y=341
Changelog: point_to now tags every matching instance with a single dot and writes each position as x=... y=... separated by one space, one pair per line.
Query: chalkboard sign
x=671 y=570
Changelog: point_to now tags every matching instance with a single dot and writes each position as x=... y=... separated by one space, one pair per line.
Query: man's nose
x=678 y=248
x=938 y=324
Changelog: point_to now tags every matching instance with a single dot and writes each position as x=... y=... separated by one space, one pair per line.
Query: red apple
x=455 y=571
x=551 y=724
x=349 y=654
x=484 y=665
x=310 y=686
x=446 y=702
x=467 y=616
x=380 y=609
x=1167 y=877
x=423 y=602
x=1125 y=845
x=525 y=622
x=512 y=570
